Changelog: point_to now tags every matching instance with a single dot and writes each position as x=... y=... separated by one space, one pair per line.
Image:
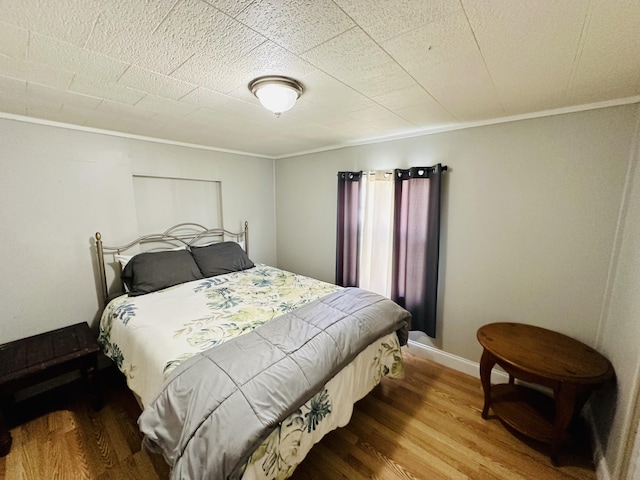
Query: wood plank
x=14 y=357
x=64 y=342
x=39 y=349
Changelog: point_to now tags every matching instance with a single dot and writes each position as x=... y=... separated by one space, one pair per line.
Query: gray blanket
x=218 y=406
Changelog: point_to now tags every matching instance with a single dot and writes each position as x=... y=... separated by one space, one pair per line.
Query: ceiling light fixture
x=276 y=93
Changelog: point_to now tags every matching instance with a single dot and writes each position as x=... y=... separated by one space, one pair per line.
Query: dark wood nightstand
x=568 y=367
x=29 y=361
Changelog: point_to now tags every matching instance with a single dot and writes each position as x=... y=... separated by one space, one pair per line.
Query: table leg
x=486 y=365
x=88 y=371
x=565 y=400
x=5 y=436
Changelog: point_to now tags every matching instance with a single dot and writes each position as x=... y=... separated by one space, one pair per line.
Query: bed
x=240 y=368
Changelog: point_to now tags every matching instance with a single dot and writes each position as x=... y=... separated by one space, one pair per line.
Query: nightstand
x=31 y=360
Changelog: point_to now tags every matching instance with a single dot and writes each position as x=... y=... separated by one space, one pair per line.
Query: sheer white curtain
x=377 y=232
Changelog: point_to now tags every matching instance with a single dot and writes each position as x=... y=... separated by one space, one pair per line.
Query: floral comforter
x=149 y=335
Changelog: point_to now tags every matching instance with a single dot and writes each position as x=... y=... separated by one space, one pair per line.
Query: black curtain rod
x=433 y=167
x=356 y=175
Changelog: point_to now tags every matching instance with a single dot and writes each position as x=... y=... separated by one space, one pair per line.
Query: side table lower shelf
x=524 y=409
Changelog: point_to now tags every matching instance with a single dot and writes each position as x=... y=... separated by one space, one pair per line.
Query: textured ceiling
x=178 y=69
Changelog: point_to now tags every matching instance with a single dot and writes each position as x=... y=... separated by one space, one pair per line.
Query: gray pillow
x=220 y=258
x=152 y=271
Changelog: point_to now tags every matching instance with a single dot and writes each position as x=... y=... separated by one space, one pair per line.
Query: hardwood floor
x=427 y=426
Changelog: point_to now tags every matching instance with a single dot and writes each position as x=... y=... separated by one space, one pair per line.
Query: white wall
x=529 y=218
x=59 y=186
x=530 y=225
x=615 y=409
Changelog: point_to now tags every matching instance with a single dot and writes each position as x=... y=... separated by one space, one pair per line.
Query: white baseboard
x=473 y=369
x=599 y=460
x=453 y=361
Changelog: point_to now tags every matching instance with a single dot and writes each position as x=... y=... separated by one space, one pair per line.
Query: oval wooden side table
x=536 y=355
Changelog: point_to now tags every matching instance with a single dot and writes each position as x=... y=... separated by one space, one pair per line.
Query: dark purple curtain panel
x=416 y=244
x=348 y=236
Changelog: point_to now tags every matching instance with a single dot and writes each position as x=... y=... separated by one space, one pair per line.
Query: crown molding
x=366 y=141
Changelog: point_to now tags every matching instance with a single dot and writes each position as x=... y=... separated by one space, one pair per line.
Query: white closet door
x=162 y=202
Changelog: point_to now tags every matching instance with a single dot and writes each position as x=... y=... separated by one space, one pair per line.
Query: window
x=388 y=237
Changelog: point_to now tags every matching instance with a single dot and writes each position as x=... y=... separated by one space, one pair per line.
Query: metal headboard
x=187 y=234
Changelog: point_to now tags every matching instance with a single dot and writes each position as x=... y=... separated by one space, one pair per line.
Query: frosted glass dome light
x=277 y=94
